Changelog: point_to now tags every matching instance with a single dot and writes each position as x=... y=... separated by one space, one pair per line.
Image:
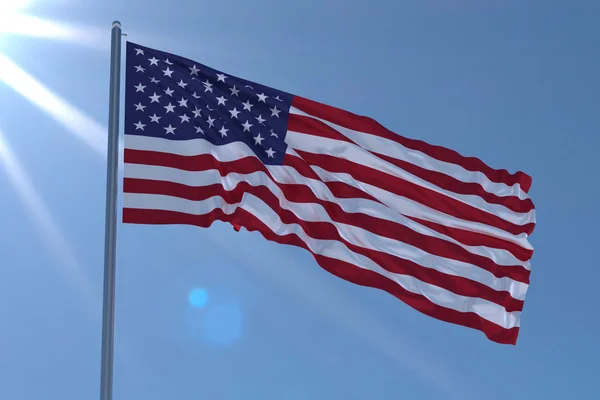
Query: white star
x=221 y=77
x=182 y=84
x=247 y=105
x=140 y=87
x=207 y=86
x=221 y=100
x=277 y=98
x=183 y=102
x=154 y=118
x=139 y=68
x=139 y=107
x=274 y=134
x=168 y=62
x=208 y=107
x=170 y=108
x=210 y=121
x=170 y=129
x=260 y=119
x=234 y=113
x=262 y=97
x=234 y=91
x=154 y=80
x=258 y=139
x=167 y=72
x=196 y=112
x=169 y=92
x=153 y=61
x=139 y=51
x=196 y=96
x=199 y=130
x=184 y=118
x=274 y=111
x=247 y=126
x=223 y=131
x=270 y=153
x=154 y=98
x=139 y=125
x=194 y=70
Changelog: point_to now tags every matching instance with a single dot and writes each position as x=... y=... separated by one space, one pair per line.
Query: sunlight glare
x=53 y=235
x=8 y=6
x=82 y=126
x=43 y=219
x=28 y=25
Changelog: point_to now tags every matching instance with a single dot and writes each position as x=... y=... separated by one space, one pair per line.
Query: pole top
x=116 y=24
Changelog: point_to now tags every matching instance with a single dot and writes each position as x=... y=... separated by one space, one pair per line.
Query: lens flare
x=223 y=324
x=198 y=298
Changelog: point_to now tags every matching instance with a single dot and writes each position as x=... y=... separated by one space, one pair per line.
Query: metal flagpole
x=110 y=239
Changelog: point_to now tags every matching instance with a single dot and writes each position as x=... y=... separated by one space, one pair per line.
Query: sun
x=8 y=6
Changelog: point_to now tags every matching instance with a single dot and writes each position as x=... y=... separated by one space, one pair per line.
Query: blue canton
x=168 y=96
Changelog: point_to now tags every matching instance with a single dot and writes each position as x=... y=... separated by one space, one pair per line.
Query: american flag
x=445 y=234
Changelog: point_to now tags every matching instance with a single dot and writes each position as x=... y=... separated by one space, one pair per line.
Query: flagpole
x=110 y=239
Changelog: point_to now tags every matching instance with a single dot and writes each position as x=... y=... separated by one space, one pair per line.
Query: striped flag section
x=445 y=234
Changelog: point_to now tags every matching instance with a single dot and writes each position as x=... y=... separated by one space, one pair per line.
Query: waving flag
x=446 y=234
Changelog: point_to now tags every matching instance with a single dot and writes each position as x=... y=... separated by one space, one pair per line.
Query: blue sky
x=514 y=83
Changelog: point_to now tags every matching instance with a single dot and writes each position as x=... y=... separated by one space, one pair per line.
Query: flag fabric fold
x=444 y=233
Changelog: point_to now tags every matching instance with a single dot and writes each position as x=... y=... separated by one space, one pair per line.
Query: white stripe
x=351 y=152
x=415 y=209
x=312 y=212
x=193 y=147
x=237 y=150
x=394 y=149
x=328 y=248
x=287 y=174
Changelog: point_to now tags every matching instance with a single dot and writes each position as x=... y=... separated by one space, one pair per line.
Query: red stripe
x=205 y=162
x=303 y=194
x=341 y=269
x=327 y=231
x=468 y=188
x=304 y=124
x=307 y=125
x=368 y=125
x=413 y=191
x=470 y=238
